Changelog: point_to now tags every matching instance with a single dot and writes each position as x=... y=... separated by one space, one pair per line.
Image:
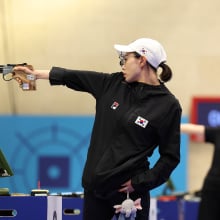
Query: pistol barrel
x=5 y=69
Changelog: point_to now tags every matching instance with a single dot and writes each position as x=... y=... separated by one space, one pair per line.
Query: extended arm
x=189 y=128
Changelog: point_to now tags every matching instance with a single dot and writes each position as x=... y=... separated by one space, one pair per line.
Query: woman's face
x=131 y=67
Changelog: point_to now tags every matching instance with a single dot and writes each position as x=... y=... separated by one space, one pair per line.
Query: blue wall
x=53 y=149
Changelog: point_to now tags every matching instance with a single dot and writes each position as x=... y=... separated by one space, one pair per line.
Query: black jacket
x=131 y=121
x=212 y=179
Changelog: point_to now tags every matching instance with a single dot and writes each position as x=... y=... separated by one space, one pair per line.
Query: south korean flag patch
x=141 y=122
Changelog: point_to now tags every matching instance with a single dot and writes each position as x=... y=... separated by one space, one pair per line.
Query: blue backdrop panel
x=53 y=149
x=49 y=149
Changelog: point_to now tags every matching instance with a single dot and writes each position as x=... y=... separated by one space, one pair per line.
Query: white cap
x=151 y=49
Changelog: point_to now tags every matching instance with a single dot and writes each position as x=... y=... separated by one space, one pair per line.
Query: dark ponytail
x=166 y=73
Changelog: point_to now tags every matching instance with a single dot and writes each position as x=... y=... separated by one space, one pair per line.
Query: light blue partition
x=51 y=150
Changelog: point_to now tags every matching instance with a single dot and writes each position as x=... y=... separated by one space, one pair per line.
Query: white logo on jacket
x=115 y=105
x=141 y=122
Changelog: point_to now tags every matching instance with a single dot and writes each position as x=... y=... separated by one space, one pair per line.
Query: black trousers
x=100 y=206
x=209 y=208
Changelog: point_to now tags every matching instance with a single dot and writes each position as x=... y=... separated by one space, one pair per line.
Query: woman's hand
x=25 y=77
x=39 y=74
x=126 y=187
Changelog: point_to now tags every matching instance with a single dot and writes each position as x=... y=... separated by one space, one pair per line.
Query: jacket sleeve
x=85 y=81
x=211 y=133
x=169 y=150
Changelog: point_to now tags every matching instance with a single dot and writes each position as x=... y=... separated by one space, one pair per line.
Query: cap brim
x=123 y=48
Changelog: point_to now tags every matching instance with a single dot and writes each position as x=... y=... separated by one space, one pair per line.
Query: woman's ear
x=143 y=61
